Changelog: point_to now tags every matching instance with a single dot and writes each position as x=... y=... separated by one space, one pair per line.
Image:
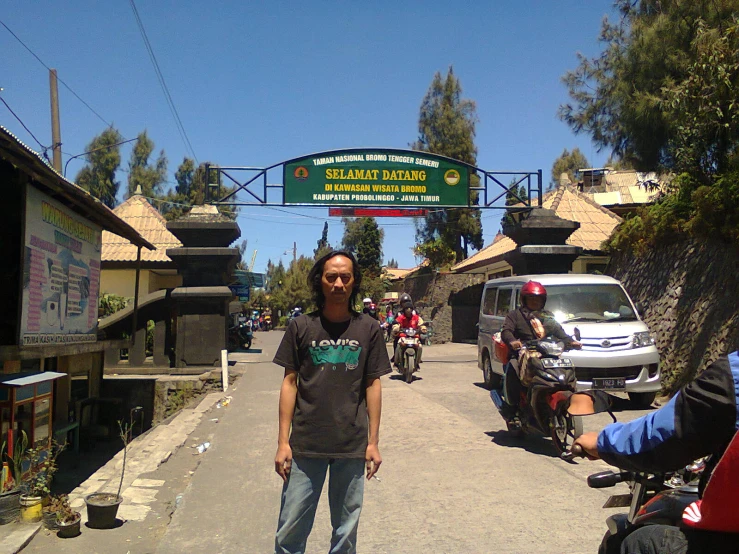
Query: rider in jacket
x=701 y=419
x=408 y=318
x=528 y=322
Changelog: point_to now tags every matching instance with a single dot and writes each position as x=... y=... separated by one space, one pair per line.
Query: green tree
x=363 y=237
x=103 y=160
x=143 y=172
x=627 y=98
x=570 y=163
x=322 y=247
x=515 y=195
x=446 y=126
x=393 y=263
x=295 y=290
x=190 y=191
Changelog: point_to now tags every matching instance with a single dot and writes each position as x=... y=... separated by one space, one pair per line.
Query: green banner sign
x=376 y=178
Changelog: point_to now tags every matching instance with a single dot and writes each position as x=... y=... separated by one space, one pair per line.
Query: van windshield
x=589 y=303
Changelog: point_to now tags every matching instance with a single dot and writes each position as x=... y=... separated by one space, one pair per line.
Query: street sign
x=242 y=291
x=376 y=178
x=377 y=212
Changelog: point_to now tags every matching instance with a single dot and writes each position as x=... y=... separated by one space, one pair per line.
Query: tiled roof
x=500 y=245
x=142 y=216
x=394 y=273
x=596 y=225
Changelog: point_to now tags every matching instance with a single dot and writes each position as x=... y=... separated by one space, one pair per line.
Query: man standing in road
x=331 y=396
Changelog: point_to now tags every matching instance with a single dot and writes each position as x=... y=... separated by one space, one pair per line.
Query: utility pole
x=295 y=251
x=56 y=135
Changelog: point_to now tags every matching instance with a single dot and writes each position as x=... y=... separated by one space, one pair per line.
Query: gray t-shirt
x=334 y=361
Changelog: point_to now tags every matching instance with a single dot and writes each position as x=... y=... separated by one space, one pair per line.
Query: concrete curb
x=20 y=535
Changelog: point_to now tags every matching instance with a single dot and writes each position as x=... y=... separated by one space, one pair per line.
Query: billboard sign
x=61 y=274
x=398 y=178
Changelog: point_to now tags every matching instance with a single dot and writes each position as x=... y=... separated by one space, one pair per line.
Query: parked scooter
x=654 y=499
x=409 y=344
x=239 y=336
x=541 y=407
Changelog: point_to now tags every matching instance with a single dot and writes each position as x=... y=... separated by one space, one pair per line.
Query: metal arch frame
x=489 y=179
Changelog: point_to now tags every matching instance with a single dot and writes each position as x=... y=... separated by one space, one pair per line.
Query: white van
x=618 y=351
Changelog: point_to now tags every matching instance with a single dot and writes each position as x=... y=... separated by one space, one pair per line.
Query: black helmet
x=406 y=301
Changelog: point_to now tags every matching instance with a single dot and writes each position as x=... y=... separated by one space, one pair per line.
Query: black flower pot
x=102 y=509
x=69 y=530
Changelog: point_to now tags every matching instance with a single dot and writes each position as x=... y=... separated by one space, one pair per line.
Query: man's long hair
x=316 y=273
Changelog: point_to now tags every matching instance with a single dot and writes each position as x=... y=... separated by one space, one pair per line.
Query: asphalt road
x=452 y=480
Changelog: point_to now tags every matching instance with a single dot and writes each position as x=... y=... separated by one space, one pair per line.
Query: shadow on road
x=398 y=377
x=535 y=444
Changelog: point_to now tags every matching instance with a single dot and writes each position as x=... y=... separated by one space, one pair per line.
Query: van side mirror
x=577 y=334
x=641 y=307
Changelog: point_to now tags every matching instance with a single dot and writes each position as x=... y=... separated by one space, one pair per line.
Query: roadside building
x=621 y=191
x=596 y=225
x=118 y=258
x=51 y=361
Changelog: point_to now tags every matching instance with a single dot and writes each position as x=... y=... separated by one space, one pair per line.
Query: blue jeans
x=300 y=495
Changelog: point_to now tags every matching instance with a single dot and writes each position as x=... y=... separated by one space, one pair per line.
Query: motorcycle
x=653 y=499
x=409 y=343
x=240 y=336
x=542 y=406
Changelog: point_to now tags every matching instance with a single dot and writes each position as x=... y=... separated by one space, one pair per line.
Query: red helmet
x=533 y=288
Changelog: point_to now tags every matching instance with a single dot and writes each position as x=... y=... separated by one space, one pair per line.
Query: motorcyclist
x=700 y=420
x=528 y=322
x=367 y=302
x=372 y=312
x=407 y=319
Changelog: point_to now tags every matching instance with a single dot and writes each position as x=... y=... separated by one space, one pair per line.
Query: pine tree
x=103 y=160
x=447 y=127
x=149 y=175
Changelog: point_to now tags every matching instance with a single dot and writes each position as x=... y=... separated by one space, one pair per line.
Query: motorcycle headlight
x=643 y=339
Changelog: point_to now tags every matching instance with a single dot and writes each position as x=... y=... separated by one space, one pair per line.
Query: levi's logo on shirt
x=334 y=352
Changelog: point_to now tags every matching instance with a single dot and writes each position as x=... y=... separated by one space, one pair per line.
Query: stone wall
x=691 y=294
x=450 y=300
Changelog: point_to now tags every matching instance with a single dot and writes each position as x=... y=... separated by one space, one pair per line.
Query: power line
x=100 y=117
x=162 y=83
x=44 y=148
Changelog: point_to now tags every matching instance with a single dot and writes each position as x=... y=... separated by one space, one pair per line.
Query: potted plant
x=102 y=507
x=56 y=503
x=10 y=484
x=68 y=520
x=36 y=485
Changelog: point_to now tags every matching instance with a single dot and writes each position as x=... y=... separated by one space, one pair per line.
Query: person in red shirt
x=407 y=319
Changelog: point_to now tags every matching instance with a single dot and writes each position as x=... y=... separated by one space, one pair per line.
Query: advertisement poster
x=61 y=274
x=376 y=178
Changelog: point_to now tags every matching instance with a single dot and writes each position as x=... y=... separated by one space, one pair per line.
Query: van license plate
x=609 y=383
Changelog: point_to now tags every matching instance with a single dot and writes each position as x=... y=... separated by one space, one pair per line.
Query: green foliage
x=149 y=175
x=363 y=237
x=42 y=466
x=515 y=195
x=664 y=95
x=703 y=109
x=103 y=160
x=322 y=247
x=190 y=191
x=690 y=209
x=111 y=303
x=15 y=461
x=393 y=263
x=439 y=254
x=242 y=263
x=628 y=97
x=446 y=126
x=295 y=290
x=570 y=163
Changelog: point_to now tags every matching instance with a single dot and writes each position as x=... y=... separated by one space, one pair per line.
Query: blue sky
x=256 y=83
